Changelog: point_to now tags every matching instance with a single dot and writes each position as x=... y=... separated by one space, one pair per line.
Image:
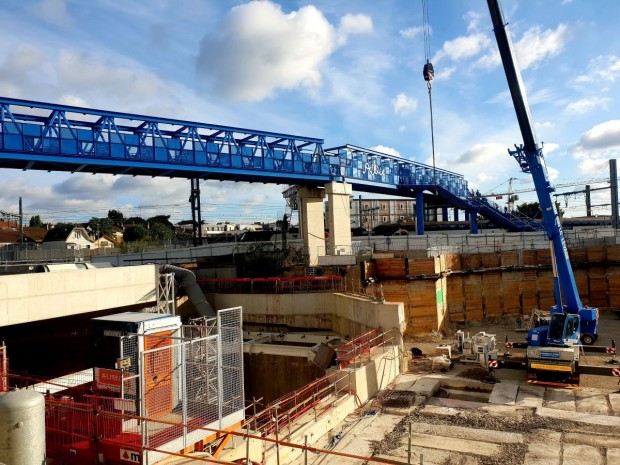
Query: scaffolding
x=166 y=391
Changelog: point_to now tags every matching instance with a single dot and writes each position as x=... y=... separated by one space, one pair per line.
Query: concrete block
x=614 y=400
x=591 y=401
x=497 y=437
x=593 y=439
x=579 y=454
x=454 y=444
x=405 y=381
x=430 y=410
x=530 y=395
x=546 y=449
x=504 y=393
x=426 y=387
x=613 y=456
x=454 y=403
x=584 y=418
x=561 y=399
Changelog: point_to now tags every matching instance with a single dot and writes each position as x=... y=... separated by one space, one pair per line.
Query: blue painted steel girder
x=44 y=136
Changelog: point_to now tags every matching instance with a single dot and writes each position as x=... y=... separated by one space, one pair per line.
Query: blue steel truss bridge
x=50 y=137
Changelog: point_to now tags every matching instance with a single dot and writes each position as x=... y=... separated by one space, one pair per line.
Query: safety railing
x=281 y=412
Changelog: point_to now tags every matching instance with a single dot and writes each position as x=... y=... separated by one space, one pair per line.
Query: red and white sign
x=493 y=364
x=108 y=379
x=130 y=456
x=615 y=372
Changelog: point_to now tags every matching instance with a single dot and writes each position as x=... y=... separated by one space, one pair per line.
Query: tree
x=135 y=233
x=161 y=232
x=135 y=220
x=117 y=217
x=100 y=226
x=532 y=209
x=35 y=222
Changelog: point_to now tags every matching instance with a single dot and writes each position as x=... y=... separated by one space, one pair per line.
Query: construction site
x=482 y=347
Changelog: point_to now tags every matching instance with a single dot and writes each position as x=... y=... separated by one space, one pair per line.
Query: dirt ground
x=609 y=328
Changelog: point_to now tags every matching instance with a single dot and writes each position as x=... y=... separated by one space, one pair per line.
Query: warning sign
x=130 y=456
x=108 y=379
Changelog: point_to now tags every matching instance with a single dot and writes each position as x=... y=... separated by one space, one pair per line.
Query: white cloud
x=53 y=12
x=552 y=173
x=411 y=32
x=602 y=141
x=445 y=73
x=601 y=68
x=473 y=19
x=355 y=24
x=73 y=101
x=535 y=45
x=463 y=47
x=404 y=105
x=587 y=105
x=387 y=150
x=261 y=49
x=545 y=125
x=550 y=147
x=481 y=153
x=86 y=72
x=490 y=60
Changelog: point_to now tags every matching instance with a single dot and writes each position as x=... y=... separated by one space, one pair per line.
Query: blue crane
x=554 y=345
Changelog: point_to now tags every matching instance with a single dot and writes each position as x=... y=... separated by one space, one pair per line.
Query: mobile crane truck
x=553 y=347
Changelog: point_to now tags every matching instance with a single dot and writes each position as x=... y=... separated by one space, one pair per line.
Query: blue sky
x=346 y=71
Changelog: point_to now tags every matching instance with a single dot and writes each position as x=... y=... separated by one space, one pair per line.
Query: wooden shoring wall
x=475 y=287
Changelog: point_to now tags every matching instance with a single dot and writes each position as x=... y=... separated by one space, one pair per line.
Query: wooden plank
x=577 y=255
x=493 y=294
x=595 y=254
x=613 y=253
x=422 y=267
x=471 y=261
x=490 y=260
x=509 y=259
x=530 y=257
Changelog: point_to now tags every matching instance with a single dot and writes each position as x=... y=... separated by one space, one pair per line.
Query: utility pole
x=21 y=224
x=588 y=202
x=613 y=181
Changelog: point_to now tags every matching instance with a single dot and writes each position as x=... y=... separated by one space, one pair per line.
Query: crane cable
x=429 y=74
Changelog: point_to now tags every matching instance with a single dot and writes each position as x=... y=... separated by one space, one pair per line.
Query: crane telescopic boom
x=531 y=160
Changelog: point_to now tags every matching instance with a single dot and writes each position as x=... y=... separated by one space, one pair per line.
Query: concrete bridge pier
x=312 y=222
x=339 y=217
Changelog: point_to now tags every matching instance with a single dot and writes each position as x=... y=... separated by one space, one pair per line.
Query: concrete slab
x=454 y=403
x=591 y=401
x=585 y=418
x=593 y=439
x=504 y=393
x=497 y=437
x=530 y=395
x=464 y=446
x=507 y=410
x=560 y=399
x=546 y=449
x=574 y=454
x=427 y=456
x=614 y=400
x=429 y=410
x=426 y=387
x=403 y=382
x=613 y=456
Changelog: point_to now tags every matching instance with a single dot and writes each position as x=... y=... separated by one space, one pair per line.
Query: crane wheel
x=587 y=339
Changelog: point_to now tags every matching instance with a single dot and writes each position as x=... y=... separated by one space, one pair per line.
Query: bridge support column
x=444 y=214
x=339 y=218
x=466 y=215
x=312 y=222
x=473 y=222
x=419 y=212
x=194 y=199
x=456 y=214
